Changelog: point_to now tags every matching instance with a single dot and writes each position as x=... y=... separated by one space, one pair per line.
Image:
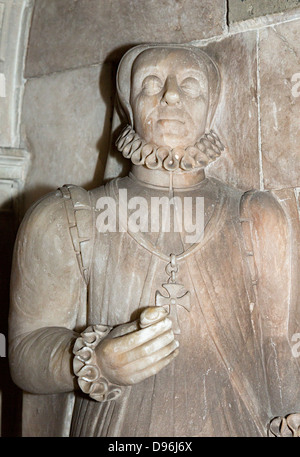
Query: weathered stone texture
x=280 y=105
x=288 y=201
x=72 y=33
x=236 y=118
x=66 y=122
x=240 y=10
x=236 y=126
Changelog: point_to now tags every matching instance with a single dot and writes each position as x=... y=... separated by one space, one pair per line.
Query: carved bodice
x=215 y=385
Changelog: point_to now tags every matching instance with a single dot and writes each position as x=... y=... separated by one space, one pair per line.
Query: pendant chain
x=150 y=247
x=172 y=269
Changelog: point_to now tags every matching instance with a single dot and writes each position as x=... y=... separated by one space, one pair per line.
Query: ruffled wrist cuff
x=90 y=379
x=288 y=426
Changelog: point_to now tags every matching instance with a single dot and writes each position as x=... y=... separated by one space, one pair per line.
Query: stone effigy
x=162 y=299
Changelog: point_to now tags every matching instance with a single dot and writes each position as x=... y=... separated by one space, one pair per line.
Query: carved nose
x=171 y=94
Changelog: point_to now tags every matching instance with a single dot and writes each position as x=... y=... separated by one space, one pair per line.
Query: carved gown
x=234 y=371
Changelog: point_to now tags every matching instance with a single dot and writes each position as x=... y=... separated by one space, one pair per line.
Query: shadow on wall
x=106 y=143
x=69 y=133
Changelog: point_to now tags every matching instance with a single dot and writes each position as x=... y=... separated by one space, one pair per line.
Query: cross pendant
x=177 y=296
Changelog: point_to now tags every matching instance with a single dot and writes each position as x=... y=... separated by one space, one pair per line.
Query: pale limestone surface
x=239 y=165
x=237 y=114
x=279 y=54
x=235 y=333
x=65 y=123
x=240 y=10
x=71 y=33
x=62 y=44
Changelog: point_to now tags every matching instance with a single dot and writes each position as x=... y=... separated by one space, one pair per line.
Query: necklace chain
x=150 y=247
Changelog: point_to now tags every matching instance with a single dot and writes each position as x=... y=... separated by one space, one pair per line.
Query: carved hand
x=133 y=352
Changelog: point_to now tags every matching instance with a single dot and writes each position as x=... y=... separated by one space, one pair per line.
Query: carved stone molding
x=14 y=25
x=14 y=165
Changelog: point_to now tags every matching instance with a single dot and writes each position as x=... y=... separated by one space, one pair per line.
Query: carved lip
x=167 y=120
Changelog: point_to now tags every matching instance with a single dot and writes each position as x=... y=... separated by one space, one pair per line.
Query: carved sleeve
x=272 y=244
x=46 y=293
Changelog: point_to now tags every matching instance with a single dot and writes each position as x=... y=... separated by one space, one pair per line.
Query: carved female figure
x=156 y=335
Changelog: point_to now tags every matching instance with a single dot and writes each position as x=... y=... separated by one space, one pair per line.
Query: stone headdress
x=125 y=69
x=133 y=147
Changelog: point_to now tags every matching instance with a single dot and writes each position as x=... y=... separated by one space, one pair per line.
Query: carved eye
x=152 y=85
x=191 y=87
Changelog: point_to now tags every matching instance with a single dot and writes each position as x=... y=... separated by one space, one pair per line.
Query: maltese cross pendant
x=176 y=295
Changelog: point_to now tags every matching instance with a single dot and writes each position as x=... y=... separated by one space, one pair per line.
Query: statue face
x=169 y=97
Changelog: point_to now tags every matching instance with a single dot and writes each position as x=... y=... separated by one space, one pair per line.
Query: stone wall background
x=68 y=97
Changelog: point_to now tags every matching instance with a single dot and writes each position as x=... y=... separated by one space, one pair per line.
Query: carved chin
x=173 y=140
x=171 y=133
x=140 y=152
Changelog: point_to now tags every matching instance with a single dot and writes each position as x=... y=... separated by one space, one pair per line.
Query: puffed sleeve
x=46 y=292
x=277 y=307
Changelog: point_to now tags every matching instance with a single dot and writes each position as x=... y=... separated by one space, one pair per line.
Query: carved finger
x=153 y=369
x=147 y=361
x=149 y=316
x=152 y=315
x=148 y=348
x=124 y=329
x=133 y=340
